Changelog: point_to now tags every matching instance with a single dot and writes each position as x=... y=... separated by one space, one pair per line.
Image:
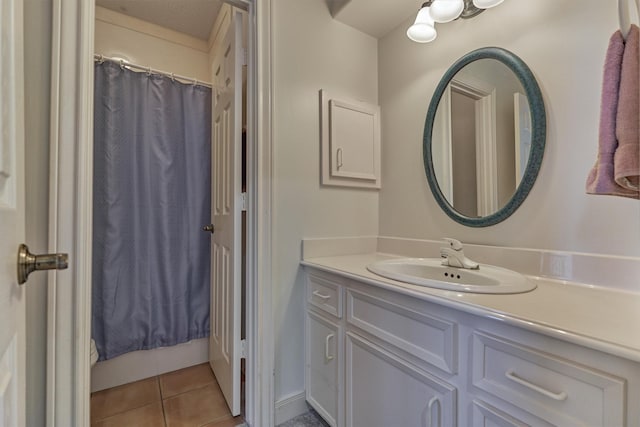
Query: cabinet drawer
x=485 y=415
x=556 y=390
x=429 y=338
x=324 y=294
x=322 y=373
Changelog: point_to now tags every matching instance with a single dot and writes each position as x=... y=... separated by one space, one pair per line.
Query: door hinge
x=243 y=349
x=244 y=201
x=244 y=55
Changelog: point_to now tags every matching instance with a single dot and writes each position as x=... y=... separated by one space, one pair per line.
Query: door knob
x=209 y=228
x=28 y=262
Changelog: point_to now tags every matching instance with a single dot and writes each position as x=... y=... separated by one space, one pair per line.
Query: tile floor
x=310 y=419
x=189 y=397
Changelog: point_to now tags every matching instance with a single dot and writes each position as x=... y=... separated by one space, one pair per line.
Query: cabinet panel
x=424 y=336
x=324 y=294
x=323 y=366
x=554 y=389
x=350 y=137
x=383 y=390
x=354 y=131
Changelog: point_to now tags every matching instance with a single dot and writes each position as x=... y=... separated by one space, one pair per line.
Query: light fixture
x=486 y=4
x=441 y=11
x=423 y=29
x=446 y=10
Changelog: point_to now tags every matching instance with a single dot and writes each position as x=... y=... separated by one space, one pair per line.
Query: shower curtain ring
x=122 y=64
x=195 y=82
x=173 y=77
x=101 y=59
x=149 y=71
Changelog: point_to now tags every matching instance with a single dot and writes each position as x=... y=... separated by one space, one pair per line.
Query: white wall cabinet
x=383 y=359
x=350 y=141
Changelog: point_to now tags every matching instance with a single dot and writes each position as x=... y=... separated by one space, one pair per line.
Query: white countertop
x=600 y=318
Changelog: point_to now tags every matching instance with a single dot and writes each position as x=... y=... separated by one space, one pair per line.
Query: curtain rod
x=149 y=70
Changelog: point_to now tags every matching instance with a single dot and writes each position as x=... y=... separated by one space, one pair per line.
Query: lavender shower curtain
x=152 y=168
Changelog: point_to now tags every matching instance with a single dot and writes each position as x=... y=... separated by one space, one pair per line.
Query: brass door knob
x=28 y=262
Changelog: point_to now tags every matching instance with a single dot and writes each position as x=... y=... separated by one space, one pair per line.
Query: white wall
x=311 y=52
x=37 y=56
x=564 y=44
x=150 y=45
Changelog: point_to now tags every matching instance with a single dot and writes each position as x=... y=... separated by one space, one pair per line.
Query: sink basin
x=431 y=273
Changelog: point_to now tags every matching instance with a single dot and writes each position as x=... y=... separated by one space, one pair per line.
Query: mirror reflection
x=481 y=138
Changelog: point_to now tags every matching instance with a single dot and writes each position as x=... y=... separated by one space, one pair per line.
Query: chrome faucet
x=454 y=255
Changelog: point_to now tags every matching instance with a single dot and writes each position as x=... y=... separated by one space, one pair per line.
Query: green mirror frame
x=538 y=135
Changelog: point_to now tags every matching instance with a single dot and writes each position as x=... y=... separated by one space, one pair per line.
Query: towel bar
x=624 y=17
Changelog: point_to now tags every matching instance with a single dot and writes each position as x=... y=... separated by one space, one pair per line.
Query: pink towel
x=601 y=178
x=627 y=158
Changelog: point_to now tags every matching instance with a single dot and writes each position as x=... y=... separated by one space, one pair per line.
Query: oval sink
x=431 y=273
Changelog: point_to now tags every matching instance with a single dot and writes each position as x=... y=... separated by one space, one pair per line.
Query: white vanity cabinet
x=376 y=372
x=378 y=358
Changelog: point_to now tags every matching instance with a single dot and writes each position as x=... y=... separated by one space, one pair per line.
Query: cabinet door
x=323 y=365
x=383 y=390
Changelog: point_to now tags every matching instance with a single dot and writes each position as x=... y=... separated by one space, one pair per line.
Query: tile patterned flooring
x=189 y=397
x=310 y=419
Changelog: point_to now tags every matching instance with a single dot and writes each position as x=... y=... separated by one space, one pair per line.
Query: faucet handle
x=456 y=245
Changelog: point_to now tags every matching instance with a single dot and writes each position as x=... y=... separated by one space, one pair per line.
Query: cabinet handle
x=430 y=406
x=327 y=356
x=339 y=158
x=322 y=296
x=555 y=396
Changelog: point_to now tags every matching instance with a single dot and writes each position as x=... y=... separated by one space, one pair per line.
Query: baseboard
x=139 y=365
x=290 y=407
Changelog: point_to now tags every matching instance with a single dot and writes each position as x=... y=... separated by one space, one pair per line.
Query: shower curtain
x=152 y=169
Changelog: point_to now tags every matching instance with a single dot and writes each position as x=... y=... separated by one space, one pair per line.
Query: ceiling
x=374 y=17
x=193 y=17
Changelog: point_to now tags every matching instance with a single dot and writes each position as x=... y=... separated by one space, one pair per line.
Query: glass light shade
x=422 y=30
x=446 y=10
x=486 y=4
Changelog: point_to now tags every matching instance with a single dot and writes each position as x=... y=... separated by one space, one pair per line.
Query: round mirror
x=484 y=137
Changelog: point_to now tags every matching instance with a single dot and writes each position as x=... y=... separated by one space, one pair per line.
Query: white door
x=226 y=256
x=12 y=212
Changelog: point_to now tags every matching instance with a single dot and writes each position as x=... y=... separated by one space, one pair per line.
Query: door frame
x=70 y=213
x=484 y=96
